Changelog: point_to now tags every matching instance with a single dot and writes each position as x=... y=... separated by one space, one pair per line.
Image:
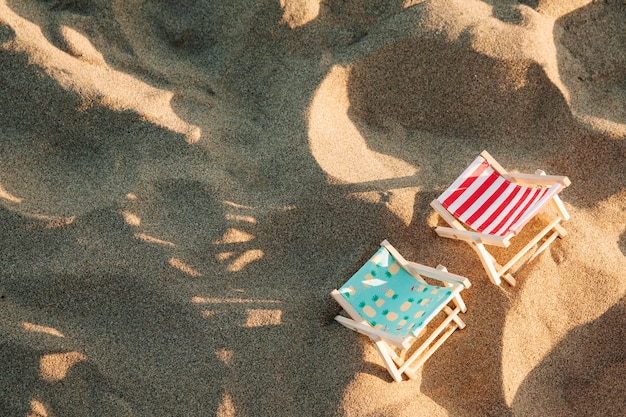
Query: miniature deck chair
x=488 y=205
x=388 y=300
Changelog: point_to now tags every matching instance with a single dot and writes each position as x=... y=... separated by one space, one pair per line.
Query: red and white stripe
x=484 y=200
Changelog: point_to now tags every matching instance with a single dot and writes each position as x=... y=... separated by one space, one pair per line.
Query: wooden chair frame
x=478 y=240
x=393 y=349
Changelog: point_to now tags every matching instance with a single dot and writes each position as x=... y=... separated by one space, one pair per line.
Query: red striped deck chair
x=406 y=318
x=487 y=205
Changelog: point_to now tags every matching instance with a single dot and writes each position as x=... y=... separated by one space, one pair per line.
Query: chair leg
x=488 y=262
x=455 y=316
x=383 y=350
x=438 y=337
x=430 y=351
x=458 y=301
x=509 y=278
x=558 y=205
x=394 y=356
x=491 y=266
x=561 y=230
x=396 y=366
x=545 y=244
x=553 y=227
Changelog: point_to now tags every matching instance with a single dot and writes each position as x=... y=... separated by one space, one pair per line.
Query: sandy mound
x=183 y=184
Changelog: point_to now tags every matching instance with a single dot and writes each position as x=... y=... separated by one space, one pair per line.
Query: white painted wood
x=459 y=231
x=375 y=334
x=473 y=237
x=435 y=334
x=384 y=342
x=381 y=347
x=558 y=205
x=530 y=245
x=417 y=270
x=534 y=179
x=418 y=364
x=488 y=263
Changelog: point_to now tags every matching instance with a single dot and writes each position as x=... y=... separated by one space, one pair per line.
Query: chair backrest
x=489 y=203
x=390 y=299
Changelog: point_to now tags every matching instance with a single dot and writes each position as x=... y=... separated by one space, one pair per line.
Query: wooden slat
x=373 y=333
x=533 y=179
x=428 y=341
x=418 y=364
x=352 y=312
x=529 y=245
x=416 y=269
x=473 y=237
x=545 y=245
x=445 y=214
x=494 y=164
x=559 y=207
x=383 y=350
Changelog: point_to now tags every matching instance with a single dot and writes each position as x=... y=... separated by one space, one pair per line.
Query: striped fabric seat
x=488 y=203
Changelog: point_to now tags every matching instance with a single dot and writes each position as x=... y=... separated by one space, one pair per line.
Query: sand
x=182 y=184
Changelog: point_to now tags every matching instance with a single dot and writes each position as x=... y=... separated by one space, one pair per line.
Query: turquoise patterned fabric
x=390 y=299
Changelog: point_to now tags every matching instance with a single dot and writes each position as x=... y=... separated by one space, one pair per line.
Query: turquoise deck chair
x=389 y=301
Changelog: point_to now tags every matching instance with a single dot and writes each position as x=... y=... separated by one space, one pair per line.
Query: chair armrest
x=538 y=179
x=438 y=274
x=416 y=270
x=473 y=237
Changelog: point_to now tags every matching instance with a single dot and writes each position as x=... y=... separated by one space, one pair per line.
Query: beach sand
x=182 y=184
